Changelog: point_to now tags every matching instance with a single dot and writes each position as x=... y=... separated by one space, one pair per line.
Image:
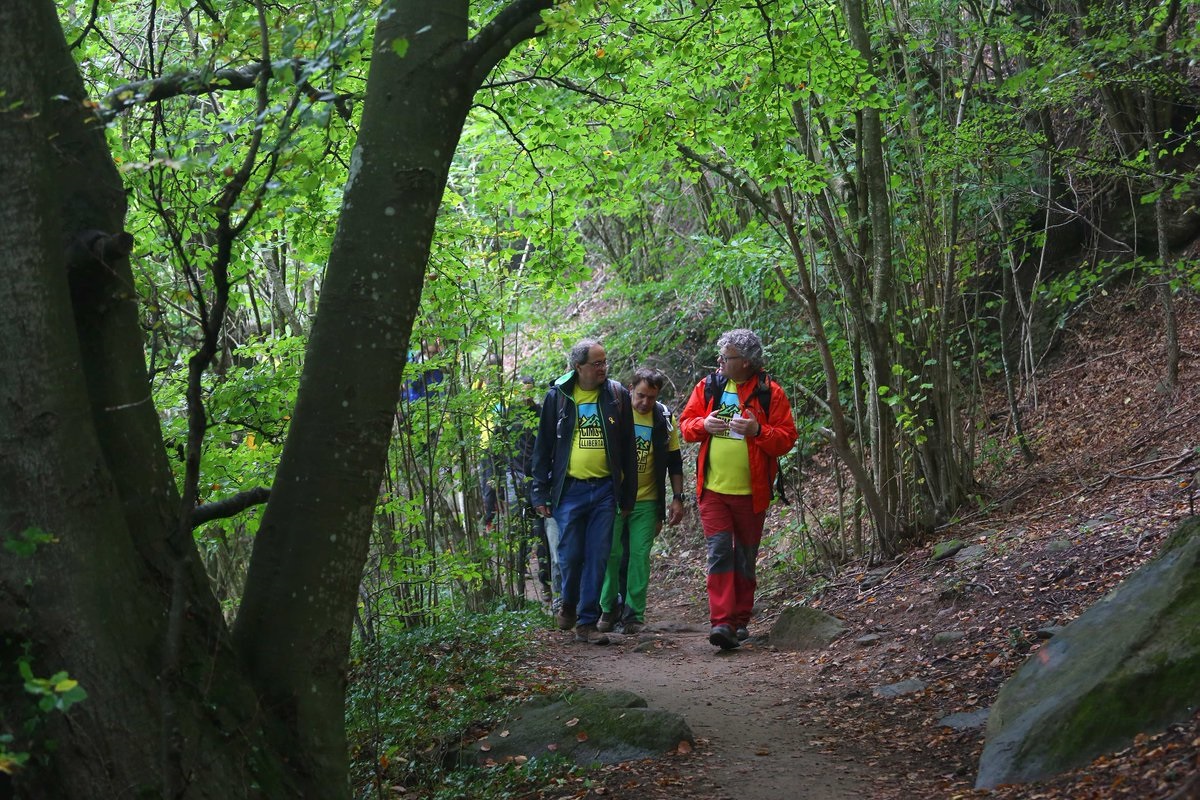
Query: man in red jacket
x=743 y=421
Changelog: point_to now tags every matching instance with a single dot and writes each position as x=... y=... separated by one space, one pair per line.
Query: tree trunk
x=82 y=462
x=293 y=628
x=113 y=592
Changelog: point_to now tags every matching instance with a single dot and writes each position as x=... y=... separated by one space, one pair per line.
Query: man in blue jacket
x=584 y=474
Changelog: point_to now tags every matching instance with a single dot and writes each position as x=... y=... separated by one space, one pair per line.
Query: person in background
x=658 y=456
x=743 y=422
x=521 y=431
x=492 y=462
x=584 y=473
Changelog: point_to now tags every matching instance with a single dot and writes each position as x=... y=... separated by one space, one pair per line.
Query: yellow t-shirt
x=728 y=469
x=588 y=458
x=643 y=428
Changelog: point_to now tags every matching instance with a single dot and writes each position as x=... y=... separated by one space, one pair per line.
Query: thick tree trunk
x=293 y=628
x=81 y=461
x=116 y=596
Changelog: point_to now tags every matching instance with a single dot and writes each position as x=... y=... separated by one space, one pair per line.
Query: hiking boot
x=607 y=618
x=566 y=618
x=742 y=634
x=631 y=626
x=589 y=634
x=723 y=637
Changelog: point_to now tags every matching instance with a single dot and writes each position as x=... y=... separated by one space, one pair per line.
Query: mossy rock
x=1130 y=664
x=805 y=628
x=590 y=726
x=943 y=550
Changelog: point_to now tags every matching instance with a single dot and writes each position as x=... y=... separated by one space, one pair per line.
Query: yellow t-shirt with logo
x=588 y=458
x=643 y=430
x=728 y=469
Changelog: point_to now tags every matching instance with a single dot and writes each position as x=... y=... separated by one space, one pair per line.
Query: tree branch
x=230 y=506
x=748 y=190
x=515 y=23
x=206 y=82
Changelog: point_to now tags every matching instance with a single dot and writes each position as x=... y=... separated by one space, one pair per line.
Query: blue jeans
x=585 y=515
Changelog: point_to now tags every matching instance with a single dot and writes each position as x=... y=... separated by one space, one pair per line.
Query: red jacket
x=778 y=435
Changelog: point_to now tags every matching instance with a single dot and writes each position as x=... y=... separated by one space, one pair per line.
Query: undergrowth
x=417 y=695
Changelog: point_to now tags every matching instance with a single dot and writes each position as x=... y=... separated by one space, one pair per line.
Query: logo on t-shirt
x=642 y=439
x=727 y=407
x=590 y=435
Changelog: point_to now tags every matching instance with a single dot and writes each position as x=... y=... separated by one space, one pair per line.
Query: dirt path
x=741 y=705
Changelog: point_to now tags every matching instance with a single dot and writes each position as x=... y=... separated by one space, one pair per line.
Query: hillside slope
x=1114 y=474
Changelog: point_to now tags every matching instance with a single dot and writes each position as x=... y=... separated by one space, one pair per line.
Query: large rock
x=804 y=628
x=590 y=726
x=1129 y=664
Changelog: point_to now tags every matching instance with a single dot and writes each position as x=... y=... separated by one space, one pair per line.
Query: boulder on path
x=804 y=628
x=1129 y=664
x=589 y=726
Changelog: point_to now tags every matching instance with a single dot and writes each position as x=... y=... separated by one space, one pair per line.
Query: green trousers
x=642 y=525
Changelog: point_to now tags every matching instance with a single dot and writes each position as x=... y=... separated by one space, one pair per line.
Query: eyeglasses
x=596 y=364
x=725 y=359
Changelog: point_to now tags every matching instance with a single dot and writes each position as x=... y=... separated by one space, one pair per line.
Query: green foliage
x=26 y=542
x=416 y=695
x=1066 y=294
x=54 y=695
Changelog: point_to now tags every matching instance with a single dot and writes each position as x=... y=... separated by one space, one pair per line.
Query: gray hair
x=579 y=353
x=746 y=342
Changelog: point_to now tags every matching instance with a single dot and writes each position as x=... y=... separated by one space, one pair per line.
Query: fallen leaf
x=581 y=736
x=571 y=723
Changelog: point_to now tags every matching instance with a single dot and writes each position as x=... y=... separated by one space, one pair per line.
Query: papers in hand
x=734 y=434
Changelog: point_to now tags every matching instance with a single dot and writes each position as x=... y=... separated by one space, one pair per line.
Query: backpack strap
x=665 y=413
x=711 y=390
x=561 y=398
x=764 y=393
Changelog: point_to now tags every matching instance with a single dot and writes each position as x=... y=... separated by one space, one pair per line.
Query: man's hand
x=716 y=425
x=675 y=512
x=542 y=510
x=747 y=426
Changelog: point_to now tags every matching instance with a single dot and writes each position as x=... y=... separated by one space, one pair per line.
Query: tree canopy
x=271 y=270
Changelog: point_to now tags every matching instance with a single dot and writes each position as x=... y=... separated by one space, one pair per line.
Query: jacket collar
x=569 y=380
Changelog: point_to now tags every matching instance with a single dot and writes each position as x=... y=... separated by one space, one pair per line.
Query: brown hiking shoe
x=607 y=618
x=589 y=634
x=566 y=618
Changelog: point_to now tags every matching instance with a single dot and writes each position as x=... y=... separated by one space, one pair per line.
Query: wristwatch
x=677 y=496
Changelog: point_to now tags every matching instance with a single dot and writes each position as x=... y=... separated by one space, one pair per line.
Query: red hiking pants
x=732 y=532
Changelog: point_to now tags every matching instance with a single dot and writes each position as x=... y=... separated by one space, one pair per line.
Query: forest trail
x=752 y=740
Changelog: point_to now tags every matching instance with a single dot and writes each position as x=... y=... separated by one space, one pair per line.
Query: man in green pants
x=657 y=456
